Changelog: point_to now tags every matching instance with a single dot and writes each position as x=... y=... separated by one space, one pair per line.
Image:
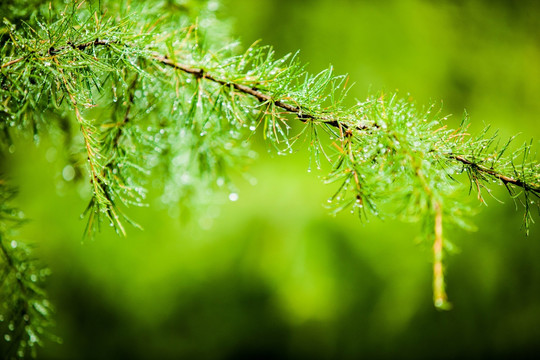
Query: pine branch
x=439 y=292
x=507 y=180
x=262 y=97
x=256 y=93
x=303 y=115
x=146 y=96
x=25 y=312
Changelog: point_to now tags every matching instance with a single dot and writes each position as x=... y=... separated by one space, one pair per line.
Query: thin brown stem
x=439 y=292
x=259 y=95
x=504 y=178
x=296 y=110
x=292 y=109
x=12 y=62
x=55 y=51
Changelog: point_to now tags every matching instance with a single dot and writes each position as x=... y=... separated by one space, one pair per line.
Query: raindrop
x=33 y=338
x=213 y=5
x=7 y=337
x=252 y=128
x=68 y=173
x=233 y=196
x=13 y=244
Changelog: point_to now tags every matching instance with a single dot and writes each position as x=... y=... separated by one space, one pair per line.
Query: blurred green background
x=272 y=275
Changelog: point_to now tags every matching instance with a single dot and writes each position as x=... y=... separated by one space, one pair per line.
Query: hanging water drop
x=68 y=173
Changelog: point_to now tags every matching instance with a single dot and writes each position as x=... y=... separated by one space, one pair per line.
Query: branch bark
x=262 y=97
x=295 y=110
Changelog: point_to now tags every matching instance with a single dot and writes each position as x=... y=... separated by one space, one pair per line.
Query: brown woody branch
x=535 y=188
x=55 y=51
x=296 y=110
x=262 y=97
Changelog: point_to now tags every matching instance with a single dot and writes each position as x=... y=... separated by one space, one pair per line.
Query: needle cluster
x=159 y=95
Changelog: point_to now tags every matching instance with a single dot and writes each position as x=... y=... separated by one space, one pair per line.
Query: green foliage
x=25 y=313
x=137 y=97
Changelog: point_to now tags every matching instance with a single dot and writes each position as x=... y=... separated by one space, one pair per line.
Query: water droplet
x=7 y=337
x=11 y=149
x=213 y=5
x=13 y=244
x=68 y=173
x=233 y=196
x=252 y=127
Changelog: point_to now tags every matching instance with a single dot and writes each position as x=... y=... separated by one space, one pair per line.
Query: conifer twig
x=259 y=95
x=504 y=178
x=298 y=111
x=439 y=292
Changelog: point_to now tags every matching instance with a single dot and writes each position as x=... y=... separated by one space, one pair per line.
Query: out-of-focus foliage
x=272 y=276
